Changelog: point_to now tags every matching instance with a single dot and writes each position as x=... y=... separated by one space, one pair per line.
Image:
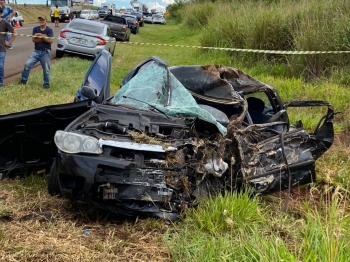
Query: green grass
x=234 y=227
x=240 y=228
x=274 y=25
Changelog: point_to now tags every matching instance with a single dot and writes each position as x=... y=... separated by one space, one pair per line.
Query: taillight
x=102 y=41
x=63 y=33
x=123 y=28
x=135 y=23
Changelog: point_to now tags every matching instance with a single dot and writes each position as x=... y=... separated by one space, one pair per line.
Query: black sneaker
x=44 y=86
x=22 y=82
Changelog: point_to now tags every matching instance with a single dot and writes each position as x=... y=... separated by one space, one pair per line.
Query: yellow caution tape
x=260 y=51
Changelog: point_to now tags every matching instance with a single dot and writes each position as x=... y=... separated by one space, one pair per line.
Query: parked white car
x=95 y=13
x=159 y=19
x=148 y=18
x=87 y=14
x=18 y=17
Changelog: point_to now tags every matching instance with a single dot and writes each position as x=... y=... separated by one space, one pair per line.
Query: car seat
x=256 y=108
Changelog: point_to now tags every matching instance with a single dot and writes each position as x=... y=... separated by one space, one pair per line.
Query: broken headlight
x=75 y=143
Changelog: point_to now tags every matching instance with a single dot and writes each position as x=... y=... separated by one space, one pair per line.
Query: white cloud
x=157 y=6
x=169 y=2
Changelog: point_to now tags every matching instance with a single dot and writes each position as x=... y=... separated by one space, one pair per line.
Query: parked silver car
x=159 y=19
x=148 y=18
x=85 y=37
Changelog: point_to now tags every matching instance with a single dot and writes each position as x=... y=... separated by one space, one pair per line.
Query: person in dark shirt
x=42 y=38
x=4 y=44
x=7 y=14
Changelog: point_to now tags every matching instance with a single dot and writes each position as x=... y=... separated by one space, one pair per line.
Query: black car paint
x=132 y=23
x=268 y=156
x=140 y=18
x=27 y=137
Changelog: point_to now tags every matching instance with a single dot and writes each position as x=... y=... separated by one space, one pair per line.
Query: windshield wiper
x=152 y=106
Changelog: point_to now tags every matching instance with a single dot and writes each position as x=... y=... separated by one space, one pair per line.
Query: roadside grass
x=236 y=227
x=242 y=228
x=37 y=227
x=275 y=25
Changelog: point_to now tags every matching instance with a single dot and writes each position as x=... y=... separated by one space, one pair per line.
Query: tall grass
x=240 y=228
x=315 y=25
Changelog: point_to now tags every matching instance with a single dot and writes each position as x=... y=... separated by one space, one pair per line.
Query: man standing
x=42 y=38
x=56 y=15
x=7 y=14
x=4 y=28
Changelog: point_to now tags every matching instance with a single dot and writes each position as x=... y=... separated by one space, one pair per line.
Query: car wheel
x=52 y=185
x=112 y=53
x=13 y=23
x=21 y=23
x=59 y=53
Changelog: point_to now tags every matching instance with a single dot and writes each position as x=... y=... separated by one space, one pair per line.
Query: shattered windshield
x=149 y=87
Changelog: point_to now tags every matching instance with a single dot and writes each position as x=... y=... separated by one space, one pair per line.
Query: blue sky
x=158 y=5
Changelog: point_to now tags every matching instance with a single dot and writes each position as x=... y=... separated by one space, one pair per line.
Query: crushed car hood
x=168 y=138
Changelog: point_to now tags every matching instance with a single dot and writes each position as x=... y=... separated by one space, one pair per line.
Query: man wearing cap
x=4 y=44
x=42 y=38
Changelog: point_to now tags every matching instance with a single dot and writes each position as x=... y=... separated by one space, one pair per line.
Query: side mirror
x=89 y=92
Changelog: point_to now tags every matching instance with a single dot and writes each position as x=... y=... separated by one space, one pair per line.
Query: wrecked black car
x=169 y=137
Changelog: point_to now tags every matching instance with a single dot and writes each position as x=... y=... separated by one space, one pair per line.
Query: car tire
x=21 y=23
x=112 y=53
x=53 y=185
x=13 y=23
x=59 y=53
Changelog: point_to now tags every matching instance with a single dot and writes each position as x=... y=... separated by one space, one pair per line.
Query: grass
x=234 y=227
x=274 y=25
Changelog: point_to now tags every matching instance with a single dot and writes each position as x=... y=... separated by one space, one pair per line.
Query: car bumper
x=108 y=182
x=119 y=35
x=64 y=46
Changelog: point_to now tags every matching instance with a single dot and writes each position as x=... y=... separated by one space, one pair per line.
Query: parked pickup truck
x=119 y=27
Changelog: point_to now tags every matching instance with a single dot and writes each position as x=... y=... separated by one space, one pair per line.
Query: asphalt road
x=22 y=48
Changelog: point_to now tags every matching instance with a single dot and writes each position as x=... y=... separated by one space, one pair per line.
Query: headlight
x=75 y=143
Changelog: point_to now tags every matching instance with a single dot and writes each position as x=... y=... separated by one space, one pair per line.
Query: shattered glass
x=150 y=87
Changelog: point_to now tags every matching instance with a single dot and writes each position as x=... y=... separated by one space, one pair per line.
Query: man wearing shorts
x=56 y=15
